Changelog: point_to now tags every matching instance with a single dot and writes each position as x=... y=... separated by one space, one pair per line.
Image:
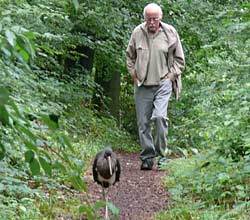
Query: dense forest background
x=65 y=93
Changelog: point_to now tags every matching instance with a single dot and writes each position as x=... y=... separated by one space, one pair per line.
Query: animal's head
x=107 y=153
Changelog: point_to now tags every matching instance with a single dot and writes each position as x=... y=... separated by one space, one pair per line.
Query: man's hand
x=171 y=76
x=135 y=79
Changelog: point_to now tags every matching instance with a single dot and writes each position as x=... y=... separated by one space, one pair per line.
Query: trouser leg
x=144 y=97
x=151 y=106
x=159 y=116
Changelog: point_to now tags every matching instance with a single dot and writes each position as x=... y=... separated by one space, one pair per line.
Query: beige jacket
x=137 y=54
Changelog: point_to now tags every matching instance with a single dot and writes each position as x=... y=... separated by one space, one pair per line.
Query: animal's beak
x=110 y=168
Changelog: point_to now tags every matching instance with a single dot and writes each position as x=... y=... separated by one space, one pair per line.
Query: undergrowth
x=208 y=188
x=212 y=121
x=87 y=131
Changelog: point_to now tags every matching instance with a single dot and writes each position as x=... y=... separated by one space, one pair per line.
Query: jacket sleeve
x=178 y=62
x=131 y=55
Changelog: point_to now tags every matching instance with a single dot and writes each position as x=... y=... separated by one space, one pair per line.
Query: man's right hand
x=135 y=79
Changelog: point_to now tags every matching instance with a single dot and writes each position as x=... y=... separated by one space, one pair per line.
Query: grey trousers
x=151 y=104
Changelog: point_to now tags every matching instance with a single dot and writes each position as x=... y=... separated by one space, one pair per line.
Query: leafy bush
x=212 y=119
x=208 y=186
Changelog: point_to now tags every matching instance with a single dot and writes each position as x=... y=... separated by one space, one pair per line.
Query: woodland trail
x=139 y=194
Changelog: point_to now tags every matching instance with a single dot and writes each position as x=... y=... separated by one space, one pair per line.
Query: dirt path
x=139 y=194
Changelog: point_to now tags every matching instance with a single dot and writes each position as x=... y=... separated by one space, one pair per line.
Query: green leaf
x=6 y=52
x=2 y=151
x=86 y=209
x=4 y=115
x=113 y=209
x=26 y=131
x=29 y=156
x=34 y=167
x=66 y=158
x=30 y=145
x=46 y=166
x=247 y=169
x=77 y=182
x=51 y=124
x=30 y=35
x=59 y=166
x=99 y=204
x=11 y=37
x=25 y=46
x=183 y=151
x=46 y=154
x=22 y=208
x=76 y=4
x=194 y=150
x=207 y=163
x=15 y=108
x=65 y=141
x=25 y=56
x=4 y=95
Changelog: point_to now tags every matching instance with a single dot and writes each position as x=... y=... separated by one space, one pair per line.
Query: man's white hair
x=152 y=5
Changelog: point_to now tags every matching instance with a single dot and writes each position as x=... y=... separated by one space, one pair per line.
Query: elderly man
x=155 y=61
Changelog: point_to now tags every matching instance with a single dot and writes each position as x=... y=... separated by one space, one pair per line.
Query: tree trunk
x=111 y=89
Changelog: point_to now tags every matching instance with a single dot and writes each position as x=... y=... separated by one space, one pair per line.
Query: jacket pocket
x=140 y=49
x=142 y=57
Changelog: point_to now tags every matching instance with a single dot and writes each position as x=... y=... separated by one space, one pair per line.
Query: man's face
x=152 y=20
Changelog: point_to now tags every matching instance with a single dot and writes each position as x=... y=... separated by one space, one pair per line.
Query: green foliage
x=215 y=186
x=213 y=111
x=90 y=211
x=212 y=118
